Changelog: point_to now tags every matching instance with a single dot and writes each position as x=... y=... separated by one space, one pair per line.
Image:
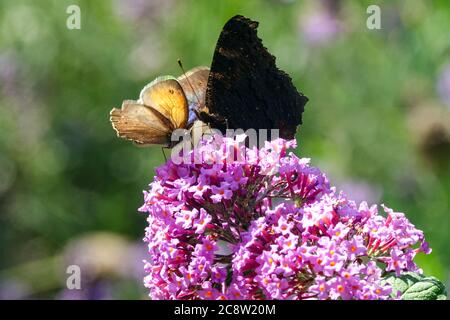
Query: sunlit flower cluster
x=249 y=223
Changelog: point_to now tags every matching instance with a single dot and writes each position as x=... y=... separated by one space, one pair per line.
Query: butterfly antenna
x=187 y=79
x=164 y=154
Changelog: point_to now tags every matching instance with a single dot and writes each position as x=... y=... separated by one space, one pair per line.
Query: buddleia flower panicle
x=265 y=224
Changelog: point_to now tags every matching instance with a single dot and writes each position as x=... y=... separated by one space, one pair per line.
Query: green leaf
x=414 y=286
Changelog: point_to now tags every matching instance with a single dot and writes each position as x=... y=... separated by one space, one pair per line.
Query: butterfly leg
x=192 y=143
x=164 y=154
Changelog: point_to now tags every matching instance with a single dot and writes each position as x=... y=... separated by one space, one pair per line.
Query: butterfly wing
x=246 y=89
x=141 y=124
x=194 y=86
x=166 y=96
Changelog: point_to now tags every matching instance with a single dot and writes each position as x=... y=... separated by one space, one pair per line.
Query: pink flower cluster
x=264 y=224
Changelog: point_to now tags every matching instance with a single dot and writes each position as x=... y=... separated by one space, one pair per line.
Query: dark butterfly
x=244 y=90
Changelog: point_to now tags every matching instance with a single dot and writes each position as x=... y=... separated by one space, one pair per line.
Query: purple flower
x=320 y=289
x=223 y=192
x=202 y=222
x=199 y=190
x=208 y=292
x=355 y=247
x=185 y=218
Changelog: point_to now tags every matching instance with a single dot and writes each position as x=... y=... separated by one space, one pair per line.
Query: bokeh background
x=378 y=122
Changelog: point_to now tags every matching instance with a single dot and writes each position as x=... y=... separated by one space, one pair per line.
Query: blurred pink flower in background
x=107 y=261
x=443 y=85
x=8 y=74
x=143 y=10
x=360 y=190
x=12 y=289
x=100 y=290
x=319 y=26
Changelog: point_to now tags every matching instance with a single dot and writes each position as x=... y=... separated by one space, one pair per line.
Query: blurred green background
x=378 y=121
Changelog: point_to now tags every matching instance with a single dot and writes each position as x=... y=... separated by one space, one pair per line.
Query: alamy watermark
x=373 y=22
x=73 y=21
x=73 y=281
x=242 y=146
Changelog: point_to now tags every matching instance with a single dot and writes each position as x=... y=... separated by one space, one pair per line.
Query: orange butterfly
x=164 y=105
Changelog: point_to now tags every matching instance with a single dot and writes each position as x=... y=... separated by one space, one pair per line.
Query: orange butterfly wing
x=166 y=96
x=162 y=108
x=141 y=124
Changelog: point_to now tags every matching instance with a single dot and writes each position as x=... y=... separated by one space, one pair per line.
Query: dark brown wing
x=246 y=89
